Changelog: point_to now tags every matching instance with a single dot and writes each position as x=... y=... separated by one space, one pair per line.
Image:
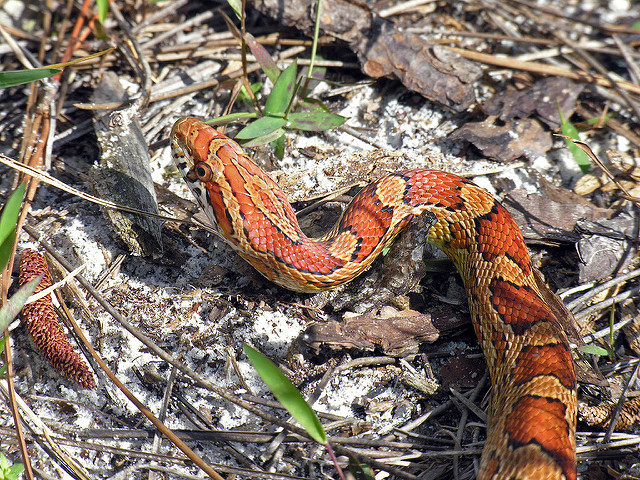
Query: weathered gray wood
x=122 y=174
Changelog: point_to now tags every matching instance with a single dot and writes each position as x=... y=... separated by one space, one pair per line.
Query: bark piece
x=123 y=175
x=505 y=143
x=552 y=216
x=606 y=245
x=544 y=97
x=385 y=50
x=397 y=332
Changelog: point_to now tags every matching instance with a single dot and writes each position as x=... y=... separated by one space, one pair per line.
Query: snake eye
x=203 y=172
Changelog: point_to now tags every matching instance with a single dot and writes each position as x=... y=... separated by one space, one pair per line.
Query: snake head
x=204 y=157
x=199 y=151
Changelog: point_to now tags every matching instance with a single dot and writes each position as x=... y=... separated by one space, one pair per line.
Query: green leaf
x=16 y=470
x=265 y=60
x=569 y=130
x=264 y=139
x=18 y=77
x=261 y=127
x=103 y=10
x=16 y=302
x=315 y=121
x=236 y=6
x=287 y=394
x=5 y=249
x=282 y=92
x=8 y=222
x=313 y=105
x=594 y=350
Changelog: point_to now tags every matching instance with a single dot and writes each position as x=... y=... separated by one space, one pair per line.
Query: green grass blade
x=16 y=302
x=103 y=10
x=287 y=394
x=232 y=117
x=359 y=471
x=593 y=121
x=5 y=249
x=244 y=96
x=236 y=6
x=278 y=146
x=8 y=221
x=282 y=92
x=18 y=77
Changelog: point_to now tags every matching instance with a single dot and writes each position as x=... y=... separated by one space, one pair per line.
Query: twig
x=600 y=69
x=594 y=291
x=513 y=64
x=145 y=70
x=54 y=182
x=65 y=456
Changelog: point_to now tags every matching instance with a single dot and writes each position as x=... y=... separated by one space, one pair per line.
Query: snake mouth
x=180 y=134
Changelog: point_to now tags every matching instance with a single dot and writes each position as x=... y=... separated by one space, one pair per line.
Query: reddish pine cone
x=42 y=324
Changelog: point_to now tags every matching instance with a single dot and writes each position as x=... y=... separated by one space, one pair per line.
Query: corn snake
x=532 y=412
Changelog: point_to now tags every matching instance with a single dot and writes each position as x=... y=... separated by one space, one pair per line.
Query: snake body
x=532 y=412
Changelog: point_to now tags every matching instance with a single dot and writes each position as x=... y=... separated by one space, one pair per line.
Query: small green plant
x=598 y=350
x=570 y=130
x=292 y=400
x=594 y=350
x=288 y=106
x=8 y=471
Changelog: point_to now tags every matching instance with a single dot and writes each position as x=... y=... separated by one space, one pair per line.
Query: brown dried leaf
x=544 y=98
x=505 y=143
x=552 y=215
x=462 y=372
x=397 y=332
